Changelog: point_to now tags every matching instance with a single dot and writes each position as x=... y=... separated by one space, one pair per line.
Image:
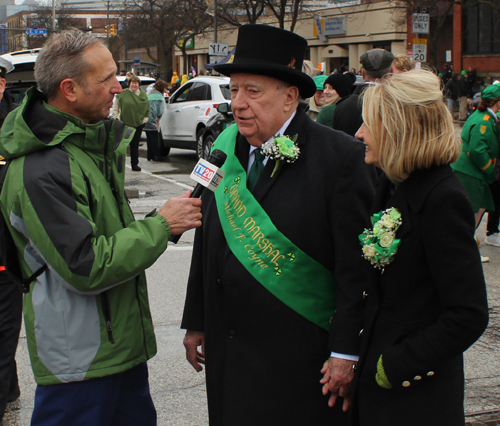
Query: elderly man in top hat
x=11 y=297
x=275 y=283
x=376 y=64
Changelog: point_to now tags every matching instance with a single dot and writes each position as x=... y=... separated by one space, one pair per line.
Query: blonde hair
x=402 y=62
x=410 y=123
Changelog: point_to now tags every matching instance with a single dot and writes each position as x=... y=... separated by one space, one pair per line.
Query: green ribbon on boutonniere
x=380 y=244
x=280 y=149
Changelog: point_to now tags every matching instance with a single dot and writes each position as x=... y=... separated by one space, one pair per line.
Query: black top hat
x=271 y=51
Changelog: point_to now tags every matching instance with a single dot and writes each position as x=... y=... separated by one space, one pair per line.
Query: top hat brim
x=301 y=80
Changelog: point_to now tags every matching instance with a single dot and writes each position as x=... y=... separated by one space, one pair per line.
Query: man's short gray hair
x=373 y=75
x=63 y=57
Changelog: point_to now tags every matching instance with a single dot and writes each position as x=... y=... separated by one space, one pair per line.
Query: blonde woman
x=426 y=298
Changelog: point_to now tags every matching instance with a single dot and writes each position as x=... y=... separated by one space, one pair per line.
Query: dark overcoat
x=425 y=310
x=263 y=359
x=348 y=114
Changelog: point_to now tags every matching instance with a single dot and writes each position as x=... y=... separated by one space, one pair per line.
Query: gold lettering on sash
x=235 y=207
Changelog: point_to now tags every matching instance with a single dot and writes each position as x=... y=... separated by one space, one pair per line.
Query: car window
x=182 y=94
x=226 y=92
x=200 y=92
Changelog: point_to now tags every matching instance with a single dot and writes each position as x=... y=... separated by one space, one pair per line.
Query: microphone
x=208 y=175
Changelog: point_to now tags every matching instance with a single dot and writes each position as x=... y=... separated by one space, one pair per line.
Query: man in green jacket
x=87 y=317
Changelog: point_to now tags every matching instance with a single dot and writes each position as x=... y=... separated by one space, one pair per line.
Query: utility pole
x=107 y=26
x=53 y=15
x=215 y=21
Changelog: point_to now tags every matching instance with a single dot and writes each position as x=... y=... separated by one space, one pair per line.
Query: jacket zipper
x=106 y=311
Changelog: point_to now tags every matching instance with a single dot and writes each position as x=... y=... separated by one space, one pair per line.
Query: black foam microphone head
x=217 y=158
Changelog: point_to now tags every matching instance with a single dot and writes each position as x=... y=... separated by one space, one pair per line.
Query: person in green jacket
x=88 y=323
x=476 y=166
x=152 y=127
x=337 y=86
x=132 y=107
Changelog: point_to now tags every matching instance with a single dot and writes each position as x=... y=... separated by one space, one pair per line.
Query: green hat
x=464 y=72
x=440 y=75
x=319 y=80
x=491 y=92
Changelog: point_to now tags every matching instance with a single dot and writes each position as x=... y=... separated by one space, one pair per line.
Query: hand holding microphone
x=208 y=175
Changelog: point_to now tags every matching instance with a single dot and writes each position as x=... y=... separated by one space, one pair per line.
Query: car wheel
x=164 y=150
x=199 y=143
x=207 y=146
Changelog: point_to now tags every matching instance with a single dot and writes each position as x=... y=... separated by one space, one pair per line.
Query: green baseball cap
x=464 y=72
x=319 y=81
x=491 y=92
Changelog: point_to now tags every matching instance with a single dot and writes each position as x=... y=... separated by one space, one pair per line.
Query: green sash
x=296 y=279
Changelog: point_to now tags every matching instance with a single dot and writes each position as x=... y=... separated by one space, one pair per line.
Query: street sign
x=218 y=49
x=36 y=31
x=214 y=59
x=420 y=52
x=421 y=23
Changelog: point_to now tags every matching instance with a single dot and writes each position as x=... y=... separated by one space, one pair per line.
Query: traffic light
x=113 y=29
x=106 y=30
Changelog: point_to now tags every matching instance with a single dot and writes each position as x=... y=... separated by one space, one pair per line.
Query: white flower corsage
x=380 y=244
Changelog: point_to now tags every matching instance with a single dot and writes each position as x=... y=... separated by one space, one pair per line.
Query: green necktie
x=256 y=169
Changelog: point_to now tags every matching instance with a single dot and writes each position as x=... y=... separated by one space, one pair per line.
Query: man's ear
x=69 y=89
x=292 y=95
x=2 y=85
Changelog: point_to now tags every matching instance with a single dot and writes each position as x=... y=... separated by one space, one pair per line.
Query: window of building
x=482 y=29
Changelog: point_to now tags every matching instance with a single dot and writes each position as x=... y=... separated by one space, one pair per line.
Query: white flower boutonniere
x=380 y=244
x=281 y=148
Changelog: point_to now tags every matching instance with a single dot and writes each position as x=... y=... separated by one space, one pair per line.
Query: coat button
x=406 y=383
x=365 y=295
x=430 y=373
x=232 y=334
x=417 y=378
x=362 y=331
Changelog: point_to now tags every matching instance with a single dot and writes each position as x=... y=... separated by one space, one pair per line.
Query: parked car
x=188 y=110
x=22 y=77
x=219 y=122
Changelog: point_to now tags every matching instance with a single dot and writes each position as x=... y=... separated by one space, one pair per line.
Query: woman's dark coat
x=263 y=360
x=425 y=310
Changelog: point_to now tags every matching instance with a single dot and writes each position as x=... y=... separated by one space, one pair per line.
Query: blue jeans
x=122 y=399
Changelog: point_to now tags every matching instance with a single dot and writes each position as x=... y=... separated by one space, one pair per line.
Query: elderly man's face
x=260 y=106
x=94 y=101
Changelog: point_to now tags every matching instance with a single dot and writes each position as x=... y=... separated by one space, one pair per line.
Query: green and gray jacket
x=480 y=148
x=88 y=314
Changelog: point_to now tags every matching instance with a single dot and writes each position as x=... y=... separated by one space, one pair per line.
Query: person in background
x=152 y=127
x=316 y=102
x=11 y=296
x=184 y=79
x=132 y=107
x=425 y=290
x=336 y=87
x=174 y=78
x=376 y=63
x=463 y=93
x=451 y=93
x=401 y=63
x=476 y=166
x=124 y=83
x=87 y=317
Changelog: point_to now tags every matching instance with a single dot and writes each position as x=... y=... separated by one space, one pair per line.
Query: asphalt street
x=178 y=391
